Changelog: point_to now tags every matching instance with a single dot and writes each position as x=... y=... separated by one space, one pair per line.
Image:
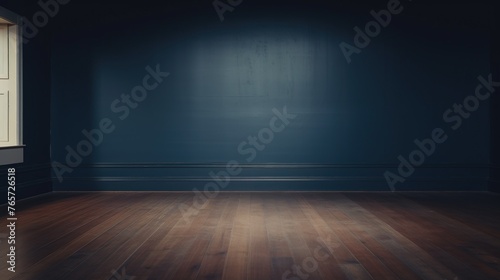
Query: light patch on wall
x=247 y=69
x=256 y=65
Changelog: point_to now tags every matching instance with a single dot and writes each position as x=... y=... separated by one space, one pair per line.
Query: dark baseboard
x=494 y=186
x=270 y=177
x=494 y=181
x=31 y=180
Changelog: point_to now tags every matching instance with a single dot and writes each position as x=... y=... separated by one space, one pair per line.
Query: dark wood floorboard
x=233 y=236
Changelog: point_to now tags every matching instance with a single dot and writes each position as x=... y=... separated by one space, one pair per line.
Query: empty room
x=249 y=139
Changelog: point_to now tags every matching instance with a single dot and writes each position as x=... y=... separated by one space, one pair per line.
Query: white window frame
x=12 y=151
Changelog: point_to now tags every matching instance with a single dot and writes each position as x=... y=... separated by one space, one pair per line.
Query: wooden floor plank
x=443 y=238
x=191 y=264
x=363 y=255
x=139 y=262
x=257 y=236
x=92 y=250
x=212 y=265
x=412 y=255
x=54 y=224
x=281 y=256
x=178 y=242
x=375 y=247
x=311 y=232
x=236 y=265
x=259 y=265
x=63 y=250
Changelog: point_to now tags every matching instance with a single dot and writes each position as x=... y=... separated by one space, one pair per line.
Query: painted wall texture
x=495 y=117
x=300 y=95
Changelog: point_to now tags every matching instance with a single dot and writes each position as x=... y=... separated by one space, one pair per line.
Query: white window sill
x=11 y=155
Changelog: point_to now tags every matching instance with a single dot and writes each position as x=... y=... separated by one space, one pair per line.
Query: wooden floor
x=257 y=236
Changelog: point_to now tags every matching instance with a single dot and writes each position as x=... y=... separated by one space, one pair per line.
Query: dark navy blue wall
x=495 y=113
x=353 y=120
x=33 y=176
